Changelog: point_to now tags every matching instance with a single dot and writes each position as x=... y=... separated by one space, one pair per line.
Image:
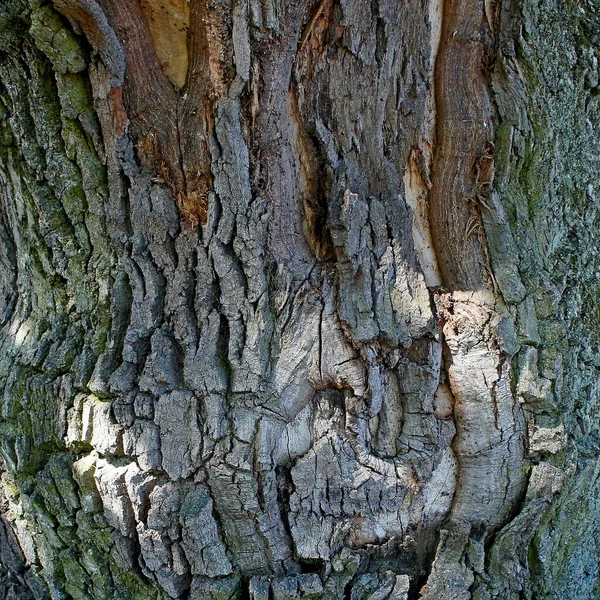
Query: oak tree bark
x=299 y=299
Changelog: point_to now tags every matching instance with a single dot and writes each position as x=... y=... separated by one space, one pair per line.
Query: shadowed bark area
x=293 y=296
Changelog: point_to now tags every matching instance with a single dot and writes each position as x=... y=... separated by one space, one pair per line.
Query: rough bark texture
x=299 y=299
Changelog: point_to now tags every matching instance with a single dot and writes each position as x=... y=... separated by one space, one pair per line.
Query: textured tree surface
x=299 y=299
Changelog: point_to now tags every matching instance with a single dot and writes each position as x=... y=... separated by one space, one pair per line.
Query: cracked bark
x=292 y=303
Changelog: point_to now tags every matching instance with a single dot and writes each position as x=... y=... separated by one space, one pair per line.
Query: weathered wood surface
x=298 y=299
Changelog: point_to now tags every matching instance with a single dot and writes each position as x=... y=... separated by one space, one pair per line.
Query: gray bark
x=299 y=299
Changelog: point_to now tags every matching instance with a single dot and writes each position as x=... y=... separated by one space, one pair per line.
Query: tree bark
x=299 y=299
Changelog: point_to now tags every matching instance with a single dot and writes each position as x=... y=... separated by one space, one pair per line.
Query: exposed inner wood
x=179 y=62
x=464 y=133
x=417 y=186
x=169 y=21
x=209 y=73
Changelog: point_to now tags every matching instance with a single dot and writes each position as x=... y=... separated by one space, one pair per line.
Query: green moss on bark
x=56 y=189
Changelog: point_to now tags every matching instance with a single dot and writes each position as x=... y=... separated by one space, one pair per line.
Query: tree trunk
x=299 y=299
